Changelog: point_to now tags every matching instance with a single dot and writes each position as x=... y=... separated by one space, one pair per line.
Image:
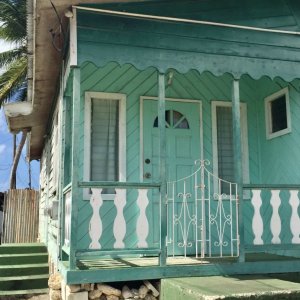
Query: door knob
x=147 y=175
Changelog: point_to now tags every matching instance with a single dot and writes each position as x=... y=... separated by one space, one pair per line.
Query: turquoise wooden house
x=168 y=134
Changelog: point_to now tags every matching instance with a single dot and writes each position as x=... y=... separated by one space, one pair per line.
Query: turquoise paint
x=182 y=150
x=184 y=47
x=206 y=87
x=126 y=79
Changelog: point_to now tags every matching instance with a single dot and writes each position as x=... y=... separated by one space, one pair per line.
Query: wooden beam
x=237 y=157
x=162 y=168
x=75 y=191
x=118 y=184
x=155 y=272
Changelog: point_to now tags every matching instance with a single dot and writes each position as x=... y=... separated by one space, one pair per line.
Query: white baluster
x=119 y=223
x=257 y=222
x=67 y=218
x=295 y=220
x=275 y=224
x=95 y=230
x=142 y=229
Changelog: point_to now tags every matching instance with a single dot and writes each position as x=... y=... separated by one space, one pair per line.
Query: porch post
x=237 y=155
x=61 y=212
x=162 y=168
x=75 y=191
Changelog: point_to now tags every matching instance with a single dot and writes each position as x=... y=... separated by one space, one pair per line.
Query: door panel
x=183 y=148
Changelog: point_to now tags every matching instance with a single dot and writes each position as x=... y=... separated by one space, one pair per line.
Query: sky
x=6 y=156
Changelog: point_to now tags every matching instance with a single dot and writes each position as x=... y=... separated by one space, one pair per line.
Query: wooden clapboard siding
x=128 y=80
x=48 y=228
x=279 y=156
x=256 y=13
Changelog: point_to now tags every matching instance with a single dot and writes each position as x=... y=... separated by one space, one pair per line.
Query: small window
x=277 y=114
x=174 y=119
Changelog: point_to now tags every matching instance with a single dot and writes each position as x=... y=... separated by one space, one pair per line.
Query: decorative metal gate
x=202 y=215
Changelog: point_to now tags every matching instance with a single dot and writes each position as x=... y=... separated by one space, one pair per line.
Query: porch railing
x=123 y=193
x=272 y=216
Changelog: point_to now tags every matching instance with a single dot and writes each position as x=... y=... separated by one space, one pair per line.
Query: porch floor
x=141 y=268
x=123 y=262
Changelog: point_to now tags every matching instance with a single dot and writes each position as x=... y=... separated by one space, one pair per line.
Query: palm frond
x=13 y=19
x=7 y=57
x=13 y=79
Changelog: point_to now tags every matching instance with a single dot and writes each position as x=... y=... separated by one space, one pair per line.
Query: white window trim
x=87 y=137
x=268 y=115
x=244 y=138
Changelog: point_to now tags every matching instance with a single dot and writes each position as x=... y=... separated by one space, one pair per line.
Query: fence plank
x=21 y=215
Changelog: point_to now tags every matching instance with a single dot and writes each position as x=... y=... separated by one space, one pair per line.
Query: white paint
x=73 y=38
x=16 y=109
x=295 y=220
x=67 y=218
x=87 y=136
x=275 y=224
x=142 y=226
x=95 y=230
x=257 y=222
x=244 y=139
x=120 y=223
x=268 y=114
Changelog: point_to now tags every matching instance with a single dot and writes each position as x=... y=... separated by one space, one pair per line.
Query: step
x=25 y=292
x=22 y=248
x=238 y=287
x=23 y=282
x=25 y=258
x=28 y=269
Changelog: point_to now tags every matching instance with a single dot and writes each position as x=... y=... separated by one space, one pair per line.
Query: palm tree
x=13 y=85
x=14 y=61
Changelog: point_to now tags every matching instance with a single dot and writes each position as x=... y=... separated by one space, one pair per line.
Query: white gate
x=202 y=215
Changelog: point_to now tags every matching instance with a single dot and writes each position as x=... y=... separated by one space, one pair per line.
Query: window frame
x=87 y=137
x=244 y=139
x=268 y=114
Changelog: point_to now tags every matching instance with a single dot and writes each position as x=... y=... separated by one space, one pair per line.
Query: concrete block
x=77 y=296
x=63 y=290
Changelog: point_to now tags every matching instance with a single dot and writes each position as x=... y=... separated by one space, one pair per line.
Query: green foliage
x=14 y=61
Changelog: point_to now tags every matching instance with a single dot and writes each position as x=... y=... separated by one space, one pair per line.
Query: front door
x=183 y=128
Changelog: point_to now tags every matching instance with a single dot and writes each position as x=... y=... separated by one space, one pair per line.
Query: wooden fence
x=21 y=216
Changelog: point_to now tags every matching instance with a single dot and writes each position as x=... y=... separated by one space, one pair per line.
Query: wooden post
x=75 y=190
x=237 y=155
x=61 y=208
x=162 y=169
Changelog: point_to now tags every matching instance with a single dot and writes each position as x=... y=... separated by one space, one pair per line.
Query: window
x=277 y=111
x=105 y=138
x=174 y=119
x=222 y=139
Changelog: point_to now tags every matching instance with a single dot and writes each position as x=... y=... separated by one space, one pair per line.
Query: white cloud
x=3 y=124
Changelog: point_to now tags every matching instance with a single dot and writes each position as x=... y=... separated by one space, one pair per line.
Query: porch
x=270 y=241
x=145 y=225
x=127 y=269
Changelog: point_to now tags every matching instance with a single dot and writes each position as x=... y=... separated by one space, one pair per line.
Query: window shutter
x=225 y=145
x=104 y=140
